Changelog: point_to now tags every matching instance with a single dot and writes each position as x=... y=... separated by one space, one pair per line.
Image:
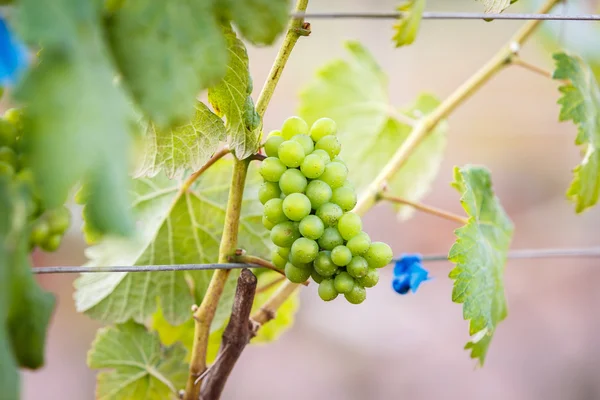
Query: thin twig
x=448 y=16
x=531 y=67
x=270 y=285
x=269 y=309
x=192 y=178
x=426 y=209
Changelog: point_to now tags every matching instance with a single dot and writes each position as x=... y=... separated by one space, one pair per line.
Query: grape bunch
x=47 y=226
x=307 y=207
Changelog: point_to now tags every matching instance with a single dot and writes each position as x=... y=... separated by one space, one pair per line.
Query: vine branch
x=192 y=178
x=426 y=209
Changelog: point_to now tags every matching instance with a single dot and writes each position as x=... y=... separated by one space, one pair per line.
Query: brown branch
x=236 y=336
x=426 y=209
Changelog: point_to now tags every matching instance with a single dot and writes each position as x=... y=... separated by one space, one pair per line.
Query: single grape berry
x=327 y=290
x=313 y=166
x=370 y=279
x=379 y=255
x=284 y=234
x=330 y=238
x=349 y=225
x=338 y=159
x=52 y=243
x=271 y=169
x=341 y=255
x=291 y=153
x=304 y=250
x=330 y=144
x=267 y=224
x=330 y=213
x=312 y=227
x=357 y=295
x=334 y=175
x=275 y=132
x=323 y=154
x=267 y=191
x=39 y=232
x=343 y=282
x=59 y=219
x=283 y=252
x=273 y=211
x=321 y=128
x=293 y=126
x=323 y=264
x=272 y=145
x=277 y=260
x=292 y=181
x=345 y=197
x=359 y=244
x=295 y=274
x=306 y=142
x=8 y=156
x=316 y=277
x=319 y=193
x=296 y=206
x=358 y=267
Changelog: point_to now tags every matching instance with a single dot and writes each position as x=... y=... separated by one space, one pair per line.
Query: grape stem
x=269 y=285
x=192 y=178
x=426 y=125
x=268 y=311
x=518 y=61
x=425 y=208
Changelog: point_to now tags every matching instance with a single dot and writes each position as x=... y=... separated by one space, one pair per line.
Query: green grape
x=6 y=170
x=15 y=117
x=330 y=238
x=306 y=142
x=359 y=244
x=39 y=232
x=343 y=282
x=294 y=260
x=338 y=159
x=271 y=169
x=330 y=144
x=323 y=154
x=52 y=242
x=277 y=260
x=370 y=279
x=323 y=264
x=313 y=166
x=296 y=206
x=283 y=252
x=59 y=219
x=334 y=175
x=273 y=211
x=312 y=227
x=8 y=156
x=304 y=250
x=295 y=274
x=291 y=153
x=267 y=191
x=345 y=197
x=275 y=132
x=25 y=177
x=319 y=193
x=321 y=128
x=358 y=267
x=272 y=145
x=8 y=133
x=327 y=290
x=379 y=255
x=316 y=277
x=293 y=126
x=357 y=295
x=341 y=255
x=349 y=225
x=292 y=181
x=284 y=234
x=267 y=224
x=330 y=213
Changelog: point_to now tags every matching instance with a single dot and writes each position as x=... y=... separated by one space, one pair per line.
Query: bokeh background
x=393 y=346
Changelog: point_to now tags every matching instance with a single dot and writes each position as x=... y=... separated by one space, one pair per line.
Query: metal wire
x=447 y=16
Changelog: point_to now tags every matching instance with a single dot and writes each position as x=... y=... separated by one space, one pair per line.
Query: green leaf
x=496 y=6
x=408 y=23
x=175 y=228
x=480 y=255
x=259 y=21
x=354 y=93
x=141 y=367
x=185 y=147
x=75 y=112
x=167 y=51
x=231 y=99
x=580 y=103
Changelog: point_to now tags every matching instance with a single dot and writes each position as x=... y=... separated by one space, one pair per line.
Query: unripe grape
x=319 y=193
x=316 y=277
x=313 y=166
x=330 y=213
x=321 y=128
x=304 y=250
x=284 y=252
x=341 y=255
x=312 y=227
x=271 y=169
x=52 y=243
x=306 y=142
x=267 y=191
x=357 y=295
x=296 y=206
x=334 y=175
x=293 y=126
x=267 y=224
x=330 y=238
x=370 y=279
x=358 y=267
x=8 y=156
x=292 y=181
x=277 y=260
x=6 y=170
x=379 y=255
x=272 y=145
x=345 y=197
x=343 y=282
x=349 y=225
x=39 y=232
x=284 y=234
x=59 y=219
x=275 y=132
x=323 y=154
x=323 y=264
x=338 y=159
x=273 y=211
x=327 y=290
x=359 y=244
x=295 y=274
x=330 y=144
x=291 y=153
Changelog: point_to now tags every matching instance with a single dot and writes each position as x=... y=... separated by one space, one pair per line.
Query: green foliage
x=496 y=6
x=354 y=93
x=176 y=228
x=580 y=103
x=141 y=367
x=407 y=26
x=480 y=255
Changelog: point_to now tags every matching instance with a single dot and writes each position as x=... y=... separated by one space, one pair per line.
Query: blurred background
x=394 y=346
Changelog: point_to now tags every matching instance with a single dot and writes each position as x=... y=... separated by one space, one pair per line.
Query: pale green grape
x=345 y=197
x=316 y=277
x=272 y=145
x=304 y=250
x=330 y=238
x=267 y=191
x=273 y=211
x=322 y=127
x=39 y=232
x=295 y=274
x=277 y=260
x=52 y=242
x=319 y=193
x=358 y=267
x=338 y=159
x=284 y=234
x=291 y=153
x=349 y=225
x=343 y=282
x=293 y=126
x=267 y=224
x=323 y=154
x=306 y=142
x=341 y=255
x=370 y=279
x=312 y=227
x=379 y=255
x=292 y=181
x=323 y=264
x=359 y=244
x=58 y=219
x=296 y=206
x=275 y=132
x=271 y=169
x=334 y=175
x=283 y=252
x=313 y=166
x=330 y=144
x=327 y=290
x=357 y=295
x=330 y=213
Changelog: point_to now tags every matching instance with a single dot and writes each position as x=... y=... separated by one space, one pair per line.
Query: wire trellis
x=448 y=16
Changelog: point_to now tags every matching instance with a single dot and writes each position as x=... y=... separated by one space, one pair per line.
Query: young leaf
x=185 y=147
x=167 y=51
x=354 y=94
x=176 y=228
x=408 y=23
x=231 y=99
x=480 y=254
x=141 y=367
x=77 y=119
x=496 y=6
x=580 y=103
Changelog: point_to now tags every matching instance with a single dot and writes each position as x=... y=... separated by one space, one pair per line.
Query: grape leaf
x=480 y=255
x=580 y=103
x=496 y=6
x=75 y=112
x=167 y=51
x=409 y=21
x=141 y=367
x=354 y=93
x=176 y=228
x=187 y=146
x=231 y=99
